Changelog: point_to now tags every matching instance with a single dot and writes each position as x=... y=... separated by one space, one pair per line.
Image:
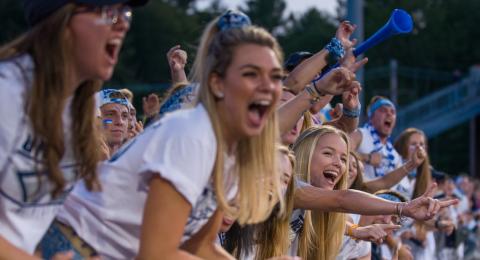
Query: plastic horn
x=400 y=22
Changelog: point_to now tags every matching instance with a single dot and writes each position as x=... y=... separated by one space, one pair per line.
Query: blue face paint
x=107 y=122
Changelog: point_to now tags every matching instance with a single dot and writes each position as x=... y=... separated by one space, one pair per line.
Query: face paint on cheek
x=107 y=122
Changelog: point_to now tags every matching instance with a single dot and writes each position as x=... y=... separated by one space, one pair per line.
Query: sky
x=296 y=6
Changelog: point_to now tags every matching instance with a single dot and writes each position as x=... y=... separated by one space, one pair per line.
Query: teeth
x=115 y=41
x=262 y=102
x=331 y=173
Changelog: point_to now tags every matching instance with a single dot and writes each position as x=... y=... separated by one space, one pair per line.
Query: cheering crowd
x=242 y=159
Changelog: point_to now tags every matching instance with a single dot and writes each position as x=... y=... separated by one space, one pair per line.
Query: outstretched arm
x=352 y=201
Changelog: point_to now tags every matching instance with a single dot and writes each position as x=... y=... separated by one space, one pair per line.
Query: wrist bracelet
x=350 y=229
x=354 y=113
x=312 y=91
x=335 y=50
x=399 y=209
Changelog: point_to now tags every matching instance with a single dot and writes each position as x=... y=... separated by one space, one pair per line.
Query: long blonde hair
x=51 y=49
x=273 y=235
x=322 y=232
x=259 y=180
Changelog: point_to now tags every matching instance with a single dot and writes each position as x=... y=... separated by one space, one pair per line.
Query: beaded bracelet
x=313 y=92
x=335 y=49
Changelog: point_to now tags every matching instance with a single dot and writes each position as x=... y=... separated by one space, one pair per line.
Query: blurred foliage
x=444 y=42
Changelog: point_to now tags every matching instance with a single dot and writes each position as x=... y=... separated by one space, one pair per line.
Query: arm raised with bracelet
x=306 y=71
x=352 y=201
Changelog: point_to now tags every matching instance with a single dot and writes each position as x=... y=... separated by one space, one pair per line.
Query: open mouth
x=112 y=49
x=331 y=176
x=257 y=111
x=388 y=123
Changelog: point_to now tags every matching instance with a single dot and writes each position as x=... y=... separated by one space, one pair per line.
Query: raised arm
x=177 y=59
x=306 y=71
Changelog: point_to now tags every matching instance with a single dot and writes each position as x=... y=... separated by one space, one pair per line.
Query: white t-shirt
x=181 y=148
x=296 y=222
x=352 y=249
x=26 y=209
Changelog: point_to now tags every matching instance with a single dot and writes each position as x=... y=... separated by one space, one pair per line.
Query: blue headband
x=389 y=197
x=379 y=103
x=233 y=19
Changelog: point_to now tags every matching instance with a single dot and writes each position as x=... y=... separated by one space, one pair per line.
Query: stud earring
x=219 y=94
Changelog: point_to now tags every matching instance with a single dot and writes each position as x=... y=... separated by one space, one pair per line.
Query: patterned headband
x=109 y=96
x=233 y=19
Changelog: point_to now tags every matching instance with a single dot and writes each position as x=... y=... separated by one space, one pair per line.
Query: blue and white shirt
x=26 y=205
x=180 y=148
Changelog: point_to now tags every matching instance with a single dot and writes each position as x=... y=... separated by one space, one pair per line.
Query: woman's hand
x=374 y=233
x=350 y=98
x=425 y=207
x=344 y=32
x=418 y=156
x=151 y=105
x=336 y=81
x=177 y=58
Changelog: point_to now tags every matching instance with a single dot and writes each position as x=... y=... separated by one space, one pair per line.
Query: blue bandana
x=108 y=96
x=379 y=103
x=233 y=19
x=179 y=97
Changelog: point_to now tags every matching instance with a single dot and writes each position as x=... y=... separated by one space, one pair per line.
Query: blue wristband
x=335 y=49
x=354 y=113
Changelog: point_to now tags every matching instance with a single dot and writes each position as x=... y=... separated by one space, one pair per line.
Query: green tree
x=266 y=13
x=13 y=21
x=309 y=32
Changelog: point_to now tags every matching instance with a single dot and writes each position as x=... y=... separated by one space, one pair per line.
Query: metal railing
x=443 y=109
